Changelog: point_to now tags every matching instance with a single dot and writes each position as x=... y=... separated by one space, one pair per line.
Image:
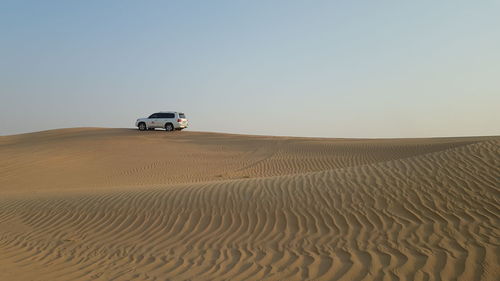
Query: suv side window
x=155 y=115
x=167 y=115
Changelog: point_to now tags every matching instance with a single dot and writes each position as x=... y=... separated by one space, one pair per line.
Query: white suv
x=168 y=120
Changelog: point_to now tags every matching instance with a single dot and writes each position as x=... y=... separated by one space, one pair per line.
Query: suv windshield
x=181 y=115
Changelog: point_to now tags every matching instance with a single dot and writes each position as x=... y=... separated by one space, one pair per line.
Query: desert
x=120 y=204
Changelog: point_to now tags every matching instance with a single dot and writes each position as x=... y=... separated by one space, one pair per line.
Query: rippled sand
x=119 y=204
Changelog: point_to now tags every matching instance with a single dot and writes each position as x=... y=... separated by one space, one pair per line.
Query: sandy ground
x=119 y=204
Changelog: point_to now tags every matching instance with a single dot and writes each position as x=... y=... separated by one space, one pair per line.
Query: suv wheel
x=169 y=127
x=142 y=126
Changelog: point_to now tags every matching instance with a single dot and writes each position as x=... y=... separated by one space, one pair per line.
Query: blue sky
x=302 y=68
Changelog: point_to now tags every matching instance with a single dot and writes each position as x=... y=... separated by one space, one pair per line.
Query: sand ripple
x=268 y=209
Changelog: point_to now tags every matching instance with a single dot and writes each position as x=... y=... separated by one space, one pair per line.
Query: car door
x=153 y=121
x=160 y=121
x=170 y=117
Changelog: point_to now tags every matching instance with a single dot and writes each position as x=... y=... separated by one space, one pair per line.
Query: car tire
x=142 y=126
x=169 y=127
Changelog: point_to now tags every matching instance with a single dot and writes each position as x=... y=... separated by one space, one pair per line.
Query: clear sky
x=303 y=68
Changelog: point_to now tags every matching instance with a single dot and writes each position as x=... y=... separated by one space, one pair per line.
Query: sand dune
x=118 y=204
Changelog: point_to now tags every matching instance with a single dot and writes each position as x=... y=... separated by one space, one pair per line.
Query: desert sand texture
x=119 y=204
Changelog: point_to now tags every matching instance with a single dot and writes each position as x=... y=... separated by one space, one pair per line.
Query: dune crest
x=97 y=204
